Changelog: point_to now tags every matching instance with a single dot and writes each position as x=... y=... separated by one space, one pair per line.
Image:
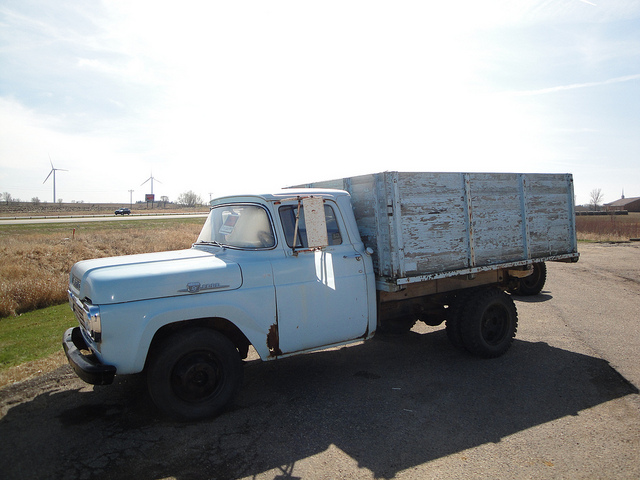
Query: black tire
x=533 y=284
x=194 y=374
x=488 y=322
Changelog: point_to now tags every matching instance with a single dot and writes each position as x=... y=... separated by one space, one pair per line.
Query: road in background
x=96 y=218
x=562 y=403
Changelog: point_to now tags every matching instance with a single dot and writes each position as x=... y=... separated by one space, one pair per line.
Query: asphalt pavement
x=562 y=403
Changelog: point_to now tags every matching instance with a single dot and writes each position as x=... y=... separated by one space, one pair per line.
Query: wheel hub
x=196 y=377
x=495 y=325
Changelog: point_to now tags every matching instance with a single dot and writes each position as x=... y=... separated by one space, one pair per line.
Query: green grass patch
x=33 y=335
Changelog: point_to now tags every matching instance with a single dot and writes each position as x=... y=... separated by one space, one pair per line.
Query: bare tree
x=595 y=198
x=190 y=199
x=7 y=197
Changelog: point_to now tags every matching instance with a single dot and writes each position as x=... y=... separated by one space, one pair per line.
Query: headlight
x=93 y=321
x=88 y=315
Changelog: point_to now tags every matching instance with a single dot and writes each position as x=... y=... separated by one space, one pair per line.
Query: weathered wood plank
x=422 y=223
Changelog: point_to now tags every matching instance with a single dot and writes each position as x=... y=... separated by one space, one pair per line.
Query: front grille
x=80 y=315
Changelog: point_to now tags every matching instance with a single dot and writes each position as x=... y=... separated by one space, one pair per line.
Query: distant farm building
x=628 y=204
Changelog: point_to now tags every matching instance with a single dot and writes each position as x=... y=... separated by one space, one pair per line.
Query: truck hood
x=153 y=275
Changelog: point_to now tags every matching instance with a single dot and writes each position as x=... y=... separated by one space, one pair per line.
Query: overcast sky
x=240 y=96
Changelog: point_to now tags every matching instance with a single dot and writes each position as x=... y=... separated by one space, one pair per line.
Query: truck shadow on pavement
x=539 y=298
x=389 y=404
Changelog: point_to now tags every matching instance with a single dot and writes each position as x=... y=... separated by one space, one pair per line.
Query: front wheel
x=194 y=374
x=488 y=323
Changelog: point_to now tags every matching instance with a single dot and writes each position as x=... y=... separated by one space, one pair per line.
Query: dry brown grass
x=34 y=267
x=608 y=228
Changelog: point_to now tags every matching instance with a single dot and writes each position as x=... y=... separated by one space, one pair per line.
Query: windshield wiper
x=212 y=242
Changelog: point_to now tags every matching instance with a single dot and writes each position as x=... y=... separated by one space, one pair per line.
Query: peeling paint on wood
x=424 y=224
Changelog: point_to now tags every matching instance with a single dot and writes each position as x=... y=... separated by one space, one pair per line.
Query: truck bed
x=425 y=226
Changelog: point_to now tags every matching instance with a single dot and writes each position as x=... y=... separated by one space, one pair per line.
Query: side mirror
x=315 y=221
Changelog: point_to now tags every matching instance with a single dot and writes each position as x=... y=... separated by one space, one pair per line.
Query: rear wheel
x=532 y=284
x=194 y=374
x=488 y=322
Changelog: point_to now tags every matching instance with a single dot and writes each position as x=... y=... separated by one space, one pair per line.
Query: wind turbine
x=53 y=170
x=152 y=179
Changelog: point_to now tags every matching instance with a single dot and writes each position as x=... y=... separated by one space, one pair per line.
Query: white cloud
x=560 y=88
x=255 y=95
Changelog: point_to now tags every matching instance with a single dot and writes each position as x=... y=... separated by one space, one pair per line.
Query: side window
x=288 y=219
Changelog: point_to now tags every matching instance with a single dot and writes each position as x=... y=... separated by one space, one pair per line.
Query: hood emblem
x=195 y=287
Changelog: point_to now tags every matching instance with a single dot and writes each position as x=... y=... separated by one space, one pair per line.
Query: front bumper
x=87 y=367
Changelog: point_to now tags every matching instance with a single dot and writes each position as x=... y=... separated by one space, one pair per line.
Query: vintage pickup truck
x=308 y=268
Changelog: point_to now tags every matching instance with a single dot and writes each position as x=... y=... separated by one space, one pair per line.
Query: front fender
x=128 y=329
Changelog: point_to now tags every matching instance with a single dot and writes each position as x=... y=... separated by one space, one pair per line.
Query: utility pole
x=130 y=198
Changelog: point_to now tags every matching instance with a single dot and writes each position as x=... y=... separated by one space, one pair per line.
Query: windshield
x=238 y=226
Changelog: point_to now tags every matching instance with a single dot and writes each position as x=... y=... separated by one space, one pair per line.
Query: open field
x=608 y=228
x=35 y=260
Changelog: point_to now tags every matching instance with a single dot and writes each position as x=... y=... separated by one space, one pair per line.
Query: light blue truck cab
x=253 y=277
x=288 y=273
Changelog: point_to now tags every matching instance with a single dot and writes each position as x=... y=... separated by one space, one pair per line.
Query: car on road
x=123 y=211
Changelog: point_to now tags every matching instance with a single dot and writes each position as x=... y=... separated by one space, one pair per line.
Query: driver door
x=321 y=294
